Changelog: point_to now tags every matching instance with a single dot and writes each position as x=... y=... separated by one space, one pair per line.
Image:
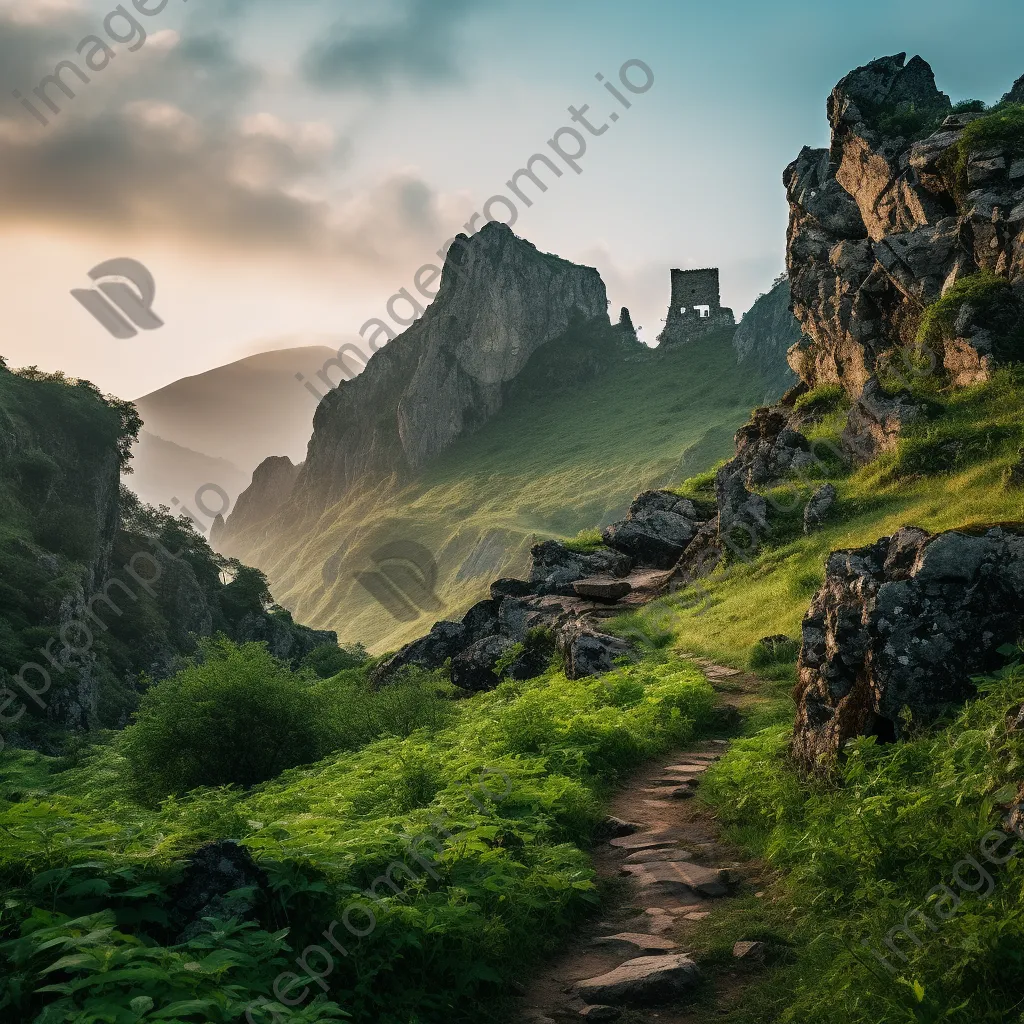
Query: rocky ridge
x=883 y=224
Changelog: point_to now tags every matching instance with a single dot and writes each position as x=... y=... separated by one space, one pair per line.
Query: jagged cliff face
x=765 y=335
x=881 y=225
x=500 y=299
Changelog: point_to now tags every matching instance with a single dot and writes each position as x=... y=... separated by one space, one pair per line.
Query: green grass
x=86 y=870
x=564 y=455
x=946 y=473
x=860 y=855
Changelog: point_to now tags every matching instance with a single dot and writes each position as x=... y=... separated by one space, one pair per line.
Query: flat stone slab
x=636 y=943
x=675 y=780
x=695 y=769
x=706 y=881
x=645 y=980
x=602 y=588
x=645 y=856
x=647 y=840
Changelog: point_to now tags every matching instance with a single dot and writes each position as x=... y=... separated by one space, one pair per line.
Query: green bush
x=330 y=659
x=985 y=291
x=586 y=542
x=236 y=717
x=355 y=713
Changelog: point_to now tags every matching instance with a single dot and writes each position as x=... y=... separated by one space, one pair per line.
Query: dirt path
x=665 y=874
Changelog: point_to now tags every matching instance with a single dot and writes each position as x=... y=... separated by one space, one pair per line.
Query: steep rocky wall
x=882 y=225
x=500 y=299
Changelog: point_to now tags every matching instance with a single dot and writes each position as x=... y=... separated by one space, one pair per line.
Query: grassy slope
x=860 y=853
x=554 y=461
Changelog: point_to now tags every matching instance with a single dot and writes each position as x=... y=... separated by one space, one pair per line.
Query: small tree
x=237 y=716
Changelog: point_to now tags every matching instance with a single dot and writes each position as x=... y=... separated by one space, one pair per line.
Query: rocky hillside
x=97 y=589
x=912 y=200
x=766 y=334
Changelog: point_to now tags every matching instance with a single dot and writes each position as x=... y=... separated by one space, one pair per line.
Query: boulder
x=556 y=568
x=739 y=510
x=877 y=420
x=220 y=880
x=653 y=538
x=817 y=510
x=474 y=669
x=768 y=449
x=511 y=588
x=483 y=619
x=602 y=588
x=444 y=641
x=903 y=627
x=587 y=652
x=643 y=981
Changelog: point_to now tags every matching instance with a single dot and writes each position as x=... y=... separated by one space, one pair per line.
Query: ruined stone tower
x=696 y=308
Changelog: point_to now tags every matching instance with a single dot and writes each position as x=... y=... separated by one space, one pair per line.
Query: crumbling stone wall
x=696 y=308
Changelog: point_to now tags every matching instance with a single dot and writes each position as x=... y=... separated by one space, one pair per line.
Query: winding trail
x=666 y=872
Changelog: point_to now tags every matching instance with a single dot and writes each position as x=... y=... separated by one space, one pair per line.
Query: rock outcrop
x=899 y=629
x=271 y=486
x=500 y=299
x=884 y=223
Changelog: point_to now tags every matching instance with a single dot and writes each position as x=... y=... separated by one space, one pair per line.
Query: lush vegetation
x=89 y=930
x=872 y=935
x=857 y=853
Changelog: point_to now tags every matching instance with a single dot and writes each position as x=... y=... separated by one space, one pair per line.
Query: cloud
x=420 y=45
x=170 y=143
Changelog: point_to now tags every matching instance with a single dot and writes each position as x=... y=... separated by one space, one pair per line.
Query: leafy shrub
x=330 y=659
x=236 y=717
x=354 y=713
x=908 y=121
x=773 y=652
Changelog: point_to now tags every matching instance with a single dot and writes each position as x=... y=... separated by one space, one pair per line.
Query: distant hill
x=163 y=471
x=242 y=412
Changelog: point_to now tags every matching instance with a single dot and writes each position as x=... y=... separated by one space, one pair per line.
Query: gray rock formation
x=271 y=486
x=768 y=449
x=656 y=531
x=556 y=568
x=817 y=510
x=588 y=652
x=500 y=299
x=767 y=332
x=876 y=421
x=906 y=623
x=881 y=226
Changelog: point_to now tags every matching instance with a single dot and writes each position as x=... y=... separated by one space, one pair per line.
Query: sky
x=284 y=168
